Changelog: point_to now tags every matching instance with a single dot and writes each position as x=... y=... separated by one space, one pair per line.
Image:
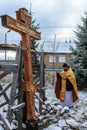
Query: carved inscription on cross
x=22 y=25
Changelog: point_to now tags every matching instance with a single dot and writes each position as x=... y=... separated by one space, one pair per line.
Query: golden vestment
x=60 y=88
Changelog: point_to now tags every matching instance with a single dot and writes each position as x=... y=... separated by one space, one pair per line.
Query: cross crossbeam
x=18 y=26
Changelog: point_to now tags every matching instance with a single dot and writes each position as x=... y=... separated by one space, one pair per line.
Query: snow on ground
x=55 y=117
x=68 y=118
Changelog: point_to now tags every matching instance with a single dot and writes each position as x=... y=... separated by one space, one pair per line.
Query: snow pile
x=3 y=116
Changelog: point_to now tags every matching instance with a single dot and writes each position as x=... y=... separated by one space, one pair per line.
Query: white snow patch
x=72 y=123
x=53 y=127
x=84 y=124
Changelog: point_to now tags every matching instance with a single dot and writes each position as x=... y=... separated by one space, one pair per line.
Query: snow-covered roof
x=58 y=47
x=65 y=47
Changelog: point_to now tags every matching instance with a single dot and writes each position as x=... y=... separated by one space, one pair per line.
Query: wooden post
x=28 y=85
x=42 y=91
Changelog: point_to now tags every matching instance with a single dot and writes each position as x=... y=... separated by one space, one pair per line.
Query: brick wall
x=56 y=55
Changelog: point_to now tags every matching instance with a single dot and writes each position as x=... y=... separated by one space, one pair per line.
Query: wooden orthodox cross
x=22 y=25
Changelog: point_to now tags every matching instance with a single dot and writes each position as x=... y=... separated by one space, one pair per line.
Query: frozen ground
x=68 y=118
x=55 y=117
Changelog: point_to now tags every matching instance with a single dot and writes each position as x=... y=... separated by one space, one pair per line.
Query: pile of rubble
x=56 y=117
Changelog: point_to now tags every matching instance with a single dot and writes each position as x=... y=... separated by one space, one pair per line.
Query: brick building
x=55 y=56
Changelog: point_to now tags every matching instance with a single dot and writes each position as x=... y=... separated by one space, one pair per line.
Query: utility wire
x=58 y=27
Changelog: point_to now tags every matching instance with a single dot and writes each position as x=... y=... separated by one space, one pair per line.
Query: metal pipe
x=6 y=41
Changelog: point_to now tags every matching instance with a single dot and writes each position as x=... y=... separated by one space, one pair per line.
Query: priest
x=66 y=87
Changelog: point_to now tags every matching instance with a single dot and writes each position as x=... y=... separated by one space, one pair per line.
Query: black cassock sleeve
x=58 y=76
x=69 y=86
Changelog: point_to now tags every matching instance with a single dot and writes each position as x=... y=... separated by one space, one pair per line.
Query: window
x=52 y=59
x=61 y=59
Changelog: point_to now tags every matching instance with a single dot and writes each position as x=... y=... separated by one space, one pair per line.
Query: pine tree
x=79 y=62
x=33 y=42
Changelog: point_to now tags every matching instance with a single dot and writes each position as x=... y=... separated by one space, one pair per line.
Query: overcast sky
x=58 y=18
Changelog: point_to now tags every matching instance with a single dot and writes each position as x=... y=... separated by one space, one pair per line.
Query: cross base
x=32 y=124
